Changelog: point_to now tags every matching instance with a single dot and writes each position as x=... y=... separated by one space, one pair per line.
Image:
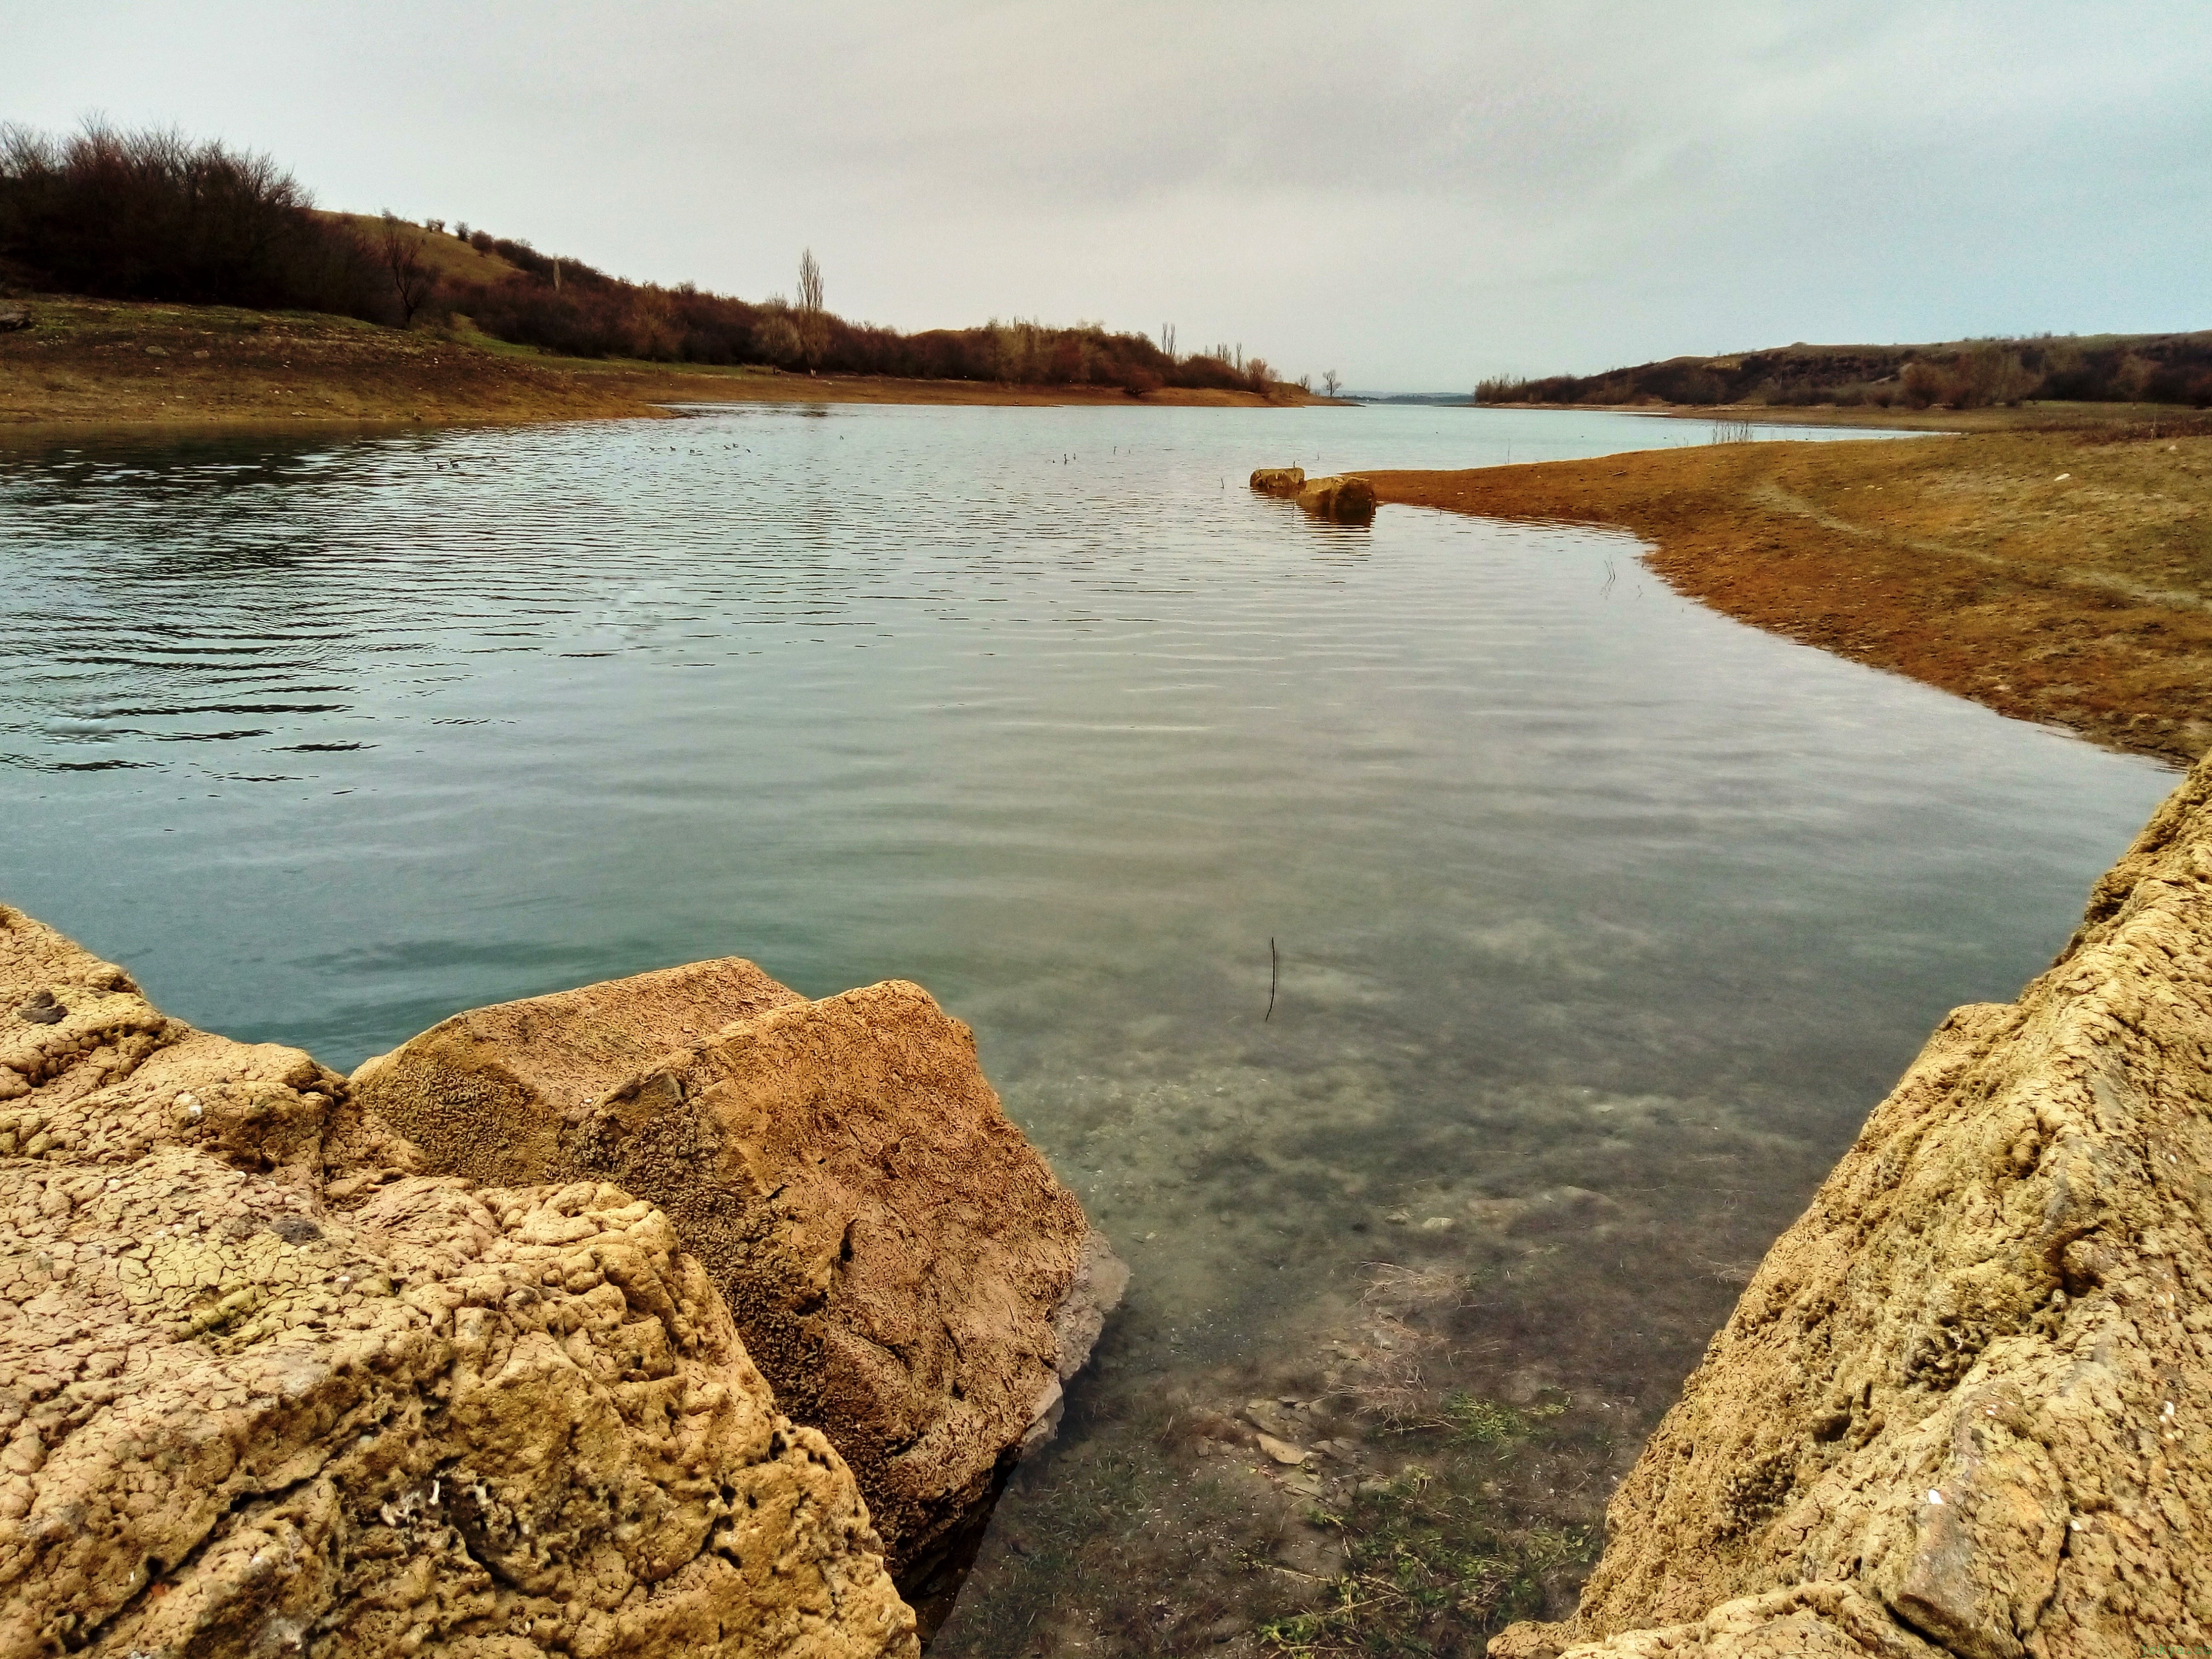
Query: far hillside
x=154 y=215
x=2158 y=368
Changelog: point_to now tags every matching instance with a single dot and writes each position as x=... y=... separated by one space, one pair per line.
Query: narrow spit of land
x=109 y=363
x=2060 y=576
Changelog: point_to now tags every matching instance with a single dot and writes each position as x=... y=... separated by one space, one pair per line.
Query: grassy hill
x=153 y=218
x=451 y=259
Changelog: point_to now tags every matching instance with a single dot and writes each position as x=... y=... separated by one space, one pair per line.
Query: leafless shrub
x=400 y=248
x=1386 y=1368
x=152 y=215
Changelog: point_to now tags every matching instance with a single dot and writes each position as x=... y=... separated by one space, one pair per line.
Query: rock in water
x=266 y=1388
x=1279 y=480
x=901 y=1263
x=1964 y=1405
x=1345 y=500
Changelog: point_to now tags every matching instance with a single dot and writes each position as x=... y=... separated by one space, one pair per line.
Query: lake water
x=1600 y=920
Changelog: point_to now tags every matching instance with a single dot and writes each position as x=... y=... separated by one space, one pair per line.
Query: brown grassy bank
x=110 y=363
x=2060 y=576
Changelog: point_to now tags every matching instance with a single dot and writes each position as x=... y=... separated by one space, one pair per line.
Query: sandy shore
x=101 y=363
x=2064 y=576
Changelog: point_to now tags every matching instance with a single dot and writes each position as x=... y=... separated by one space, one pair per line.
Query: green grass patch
x=1471 y=1420
x=1430 y=1570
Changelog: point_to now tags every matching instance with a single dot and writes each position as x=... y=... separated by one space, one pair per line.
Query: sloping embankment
x=120 y=364
x=1965 y=1405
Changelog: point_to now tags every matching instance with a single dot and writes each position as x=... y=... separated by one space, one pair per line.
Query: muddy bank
x=1965 y=1406
x=2064 y=577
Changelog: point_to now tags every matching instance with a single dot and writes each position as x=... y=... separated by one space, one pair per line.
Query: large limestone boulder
x=1966 y=1404
x=1279 y=480
x=1345 y=499
x=901 y=1262
x=266 y=1388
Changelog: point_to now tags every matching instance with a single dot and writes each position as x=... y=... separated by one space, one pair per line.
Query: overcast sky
x=1413 y=194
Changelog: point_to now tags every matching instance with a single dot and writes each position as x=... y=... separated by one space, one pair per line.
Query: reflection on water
x=1602 y=920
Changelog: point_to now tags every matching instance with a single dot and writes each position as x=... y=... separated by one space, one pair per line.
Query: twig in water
x=1274 y=975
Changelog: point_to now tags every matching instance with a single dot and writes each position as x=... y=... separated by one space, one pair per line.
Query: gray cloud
x=1414 y=193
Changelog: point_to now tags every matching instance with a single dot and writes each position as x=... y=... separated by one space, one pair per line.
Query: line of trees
x=2163 y=368
x=593 y=315
x=154 y=215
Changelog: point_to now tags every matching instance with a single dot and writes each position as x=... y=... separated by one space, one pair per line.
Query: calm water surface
x=1576 y=887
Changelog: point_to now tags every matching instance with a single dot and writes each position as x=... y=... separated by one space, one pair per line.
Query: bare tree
x=1330 y=383
x=401 y=249
x=813 y=323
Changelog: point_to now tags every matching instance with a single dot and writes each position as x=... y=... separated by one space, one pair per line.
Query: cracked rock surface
x=1965 y=1405
x=266 y=1388
x=901 y=1262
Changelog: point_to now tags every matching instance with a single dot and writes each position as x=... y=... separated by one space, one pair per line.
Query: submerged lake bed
x=1440 y=958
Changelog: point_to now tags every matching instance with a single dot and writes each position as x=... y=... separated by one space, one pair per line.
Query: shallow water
x=1601 y=920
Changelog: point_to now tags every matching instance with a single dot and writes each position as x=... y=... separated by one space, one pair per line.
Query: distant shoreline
x=89 y=365
x=2026 y=417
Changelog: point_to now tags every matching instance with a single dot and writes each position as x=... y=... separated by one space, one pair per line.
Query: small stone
x=1283 y=1451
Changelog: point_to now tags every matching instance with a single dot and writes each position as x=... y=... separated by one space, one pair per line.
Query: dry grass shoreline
x=90 y=364
x=2063 y=576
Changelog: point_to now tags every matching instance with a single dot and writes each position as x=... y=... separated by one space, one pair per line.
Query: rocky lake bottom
x=1440 y=958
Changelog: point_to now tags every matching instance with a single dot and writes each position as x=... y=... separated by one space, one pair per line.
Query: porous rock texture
x=1279 y=480
x=901 y=1262
x=1965 y=1406
x=266 y=1388
x=1348 y=500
